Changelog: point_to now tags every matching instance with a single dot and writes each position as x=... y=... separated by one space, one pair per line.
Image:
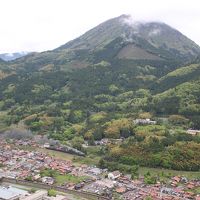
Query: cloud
x=36 y=25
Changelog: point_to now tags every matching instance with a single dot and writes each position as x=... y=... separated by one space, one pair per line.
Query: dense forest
x=74 y=95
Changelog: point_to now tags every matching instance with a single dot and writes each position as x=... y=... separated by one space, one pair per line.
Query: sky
x=40 y=25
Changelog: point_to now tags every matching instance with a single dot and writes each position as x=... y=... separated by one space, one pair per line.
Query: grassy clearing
x=195 y=190
x=91 y=159
x=3 y=126
x=60 y=179
x=157 y=171
x=58 y=154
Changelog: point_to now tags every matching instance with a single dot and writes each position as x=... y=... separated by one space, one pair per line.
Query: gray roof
x=10 y=192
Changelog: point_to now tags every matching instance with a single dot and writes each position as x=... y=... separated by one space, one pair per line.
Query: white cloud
x=38 y=25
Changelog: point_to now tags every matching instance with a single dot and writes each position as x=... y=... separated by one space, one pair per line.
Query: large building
x=11 y=193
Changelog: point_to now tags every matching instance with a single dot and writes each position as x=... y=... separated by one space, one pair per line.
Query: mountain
x=138 y=40
x=117 y=40
x=119 y=68
x=13 y=56
x=96 y=85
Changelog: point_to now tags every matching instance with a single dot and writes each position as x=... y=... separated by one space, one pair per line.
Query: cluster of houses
x=21 y=164
x=136 y=189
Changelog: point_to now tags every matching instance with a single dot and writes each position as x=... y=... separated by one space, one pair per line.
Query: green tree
x=134 y=171
x=77 y=143
x=52 y=193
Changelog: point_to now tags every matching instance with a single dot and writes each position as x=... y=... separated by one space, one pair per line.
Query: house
x=121 y=190
x=48 y=180
x=95 y=171
x=78 y=186
x=11 y=193
x=114 y=175
x=176 y=179
x=190 y=185
x=193 y=132
x=144 y=121
x=46 y=145
x=36 y=177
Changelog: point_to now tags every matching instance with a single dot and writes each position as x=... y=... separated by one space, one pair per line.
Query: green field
x=157 y=171
x=58 y=154
x=68 y=178
x=91 y=159
x=195 y=190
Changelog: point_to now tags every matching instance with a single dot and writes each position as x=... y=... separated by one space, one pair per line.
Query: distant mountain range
x=13 y=56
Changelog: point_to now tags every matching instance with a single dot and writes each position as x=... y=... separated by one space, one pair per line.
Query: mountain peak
x=156 y=38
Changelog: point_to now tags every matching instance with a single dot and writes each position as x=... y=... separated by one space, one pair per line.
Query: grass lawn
x=58 y=154
x=195 y=190
x=91 y=159
x=60 y=179
x=155 y=171
x=3 y=126
x=88 y=160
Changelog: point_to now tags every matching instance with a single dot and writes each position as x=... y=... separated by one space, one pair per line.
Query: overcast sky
x=39 y=25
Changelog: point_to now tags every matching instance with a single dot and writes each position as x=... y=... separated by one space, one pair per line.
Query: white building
x=114 y=175
x=193 y=132
x=95 y=171
x=48 y=180
x=11 y=193
x=144 y=121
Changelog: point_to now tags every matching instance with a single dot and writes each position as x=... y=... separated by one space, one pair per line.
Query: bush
x=32 y=190
x=52 y=193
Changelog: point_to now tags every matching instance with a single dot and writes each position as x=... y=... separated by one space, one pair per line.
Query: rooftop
x=10 y=192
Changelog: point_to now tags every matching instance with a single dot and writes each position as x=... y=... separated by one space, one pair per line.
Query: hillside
x=96 y=85
x=156 y=38
x=116 y=57
x=117 y=40
x=181 y=75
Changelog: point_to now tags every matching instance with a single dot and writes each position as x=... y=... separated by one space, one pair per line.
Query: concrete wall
x=39 y=195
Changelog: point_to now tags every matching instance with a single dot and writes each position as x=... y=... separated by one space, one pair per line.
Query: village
x=19 y=164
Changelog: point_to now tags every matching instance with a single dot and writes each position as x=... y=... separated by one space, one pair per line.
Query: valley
x=125 y=96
